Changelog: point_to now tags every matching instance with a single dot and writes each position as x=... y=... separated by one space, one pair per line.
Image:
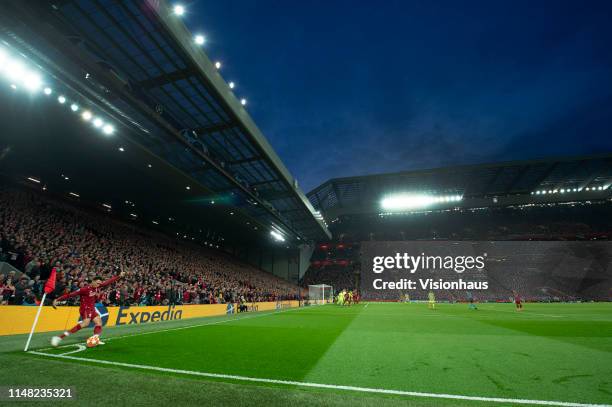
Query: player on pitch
x=89 y=295
x=432 y=300
x=518 y=301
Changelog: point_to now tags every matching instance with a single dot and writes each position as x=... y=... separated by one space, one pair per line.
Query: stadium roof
x=137 y=63
x=475 y=184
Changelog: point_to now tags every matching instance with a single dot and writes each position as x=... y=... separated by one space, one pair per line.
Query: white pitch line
x=326 y=386
x=80 y=348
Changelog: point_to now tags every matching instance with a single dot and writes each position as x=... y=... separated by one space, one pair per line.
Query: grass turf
x=559 y=352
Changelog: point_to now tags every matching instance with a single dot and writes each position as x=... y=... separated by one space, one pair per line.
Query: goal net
x=320 y=294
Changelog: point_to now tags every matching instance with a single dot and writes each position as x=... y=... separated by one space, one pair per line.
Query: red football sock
x=72 y=330
x=97 y=330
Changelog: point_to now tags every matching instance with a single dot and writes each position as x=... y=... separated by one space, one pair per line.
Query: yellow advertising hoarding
x=15 y=319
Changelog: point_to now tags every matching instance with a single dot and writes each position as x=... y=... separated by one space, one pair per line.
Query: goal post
x=320 y=294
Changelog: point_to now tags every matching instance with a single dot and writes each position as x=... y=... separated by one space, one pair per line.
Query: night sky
x=344 y=88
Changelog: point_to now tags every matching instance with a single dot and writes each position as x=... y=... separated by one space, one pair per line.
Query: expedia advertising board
x=18 y=319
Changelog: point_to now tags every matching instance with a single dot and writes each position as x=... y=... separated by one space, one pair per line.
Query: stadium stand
x=38 y=233
x=556 y=200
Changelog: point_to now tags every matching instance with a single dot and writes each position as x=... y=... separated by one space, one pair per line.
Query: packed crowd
x=38 y=234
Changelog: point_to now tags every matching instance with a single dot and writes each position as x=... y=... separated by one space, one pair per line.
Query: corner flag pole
x=42 y=301
x=49 y=287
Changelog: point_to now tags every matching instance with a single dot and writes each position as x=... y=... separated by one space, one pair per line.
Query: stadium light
x=98 y=122
x=199 y=39
x=277 y=236
x=48 y=91
x=86 y=115
x=108 y=129
x=15 y=70
x=74 y=107
x=243 y=102
x=61 y=99
x=232 y=85
x=415 y=201
x=179 y=10
x=121 y=149
x=32 y=81
x=218 y=65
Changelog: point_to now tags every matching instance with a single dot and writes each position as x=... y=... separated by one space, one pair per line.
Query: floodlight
x=243 y=102
x=277 y=236
x=61 y=99
x=74 y=107
x=179 y=10
x=108 y=129
x=199 y=39
x=232 y=85
x=86 y=115
x=48 y=91
x=218 y=65
x=32 y=81
x=98 y=122
x=15 y=70
x=409 y=201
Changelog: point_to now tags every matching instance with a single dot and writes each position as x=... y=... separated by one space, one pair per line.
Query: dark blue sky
x=345 y=88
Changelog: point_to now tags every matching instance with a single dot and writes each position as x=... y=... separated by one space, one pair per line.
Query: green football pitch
x=376 y=353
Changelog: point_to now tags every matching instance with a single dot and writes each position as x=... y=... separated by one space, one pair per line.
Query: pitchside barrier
x=17 y=319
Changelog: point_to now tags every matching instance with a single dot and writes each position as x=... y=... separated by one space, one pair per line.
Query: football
x=93 y=341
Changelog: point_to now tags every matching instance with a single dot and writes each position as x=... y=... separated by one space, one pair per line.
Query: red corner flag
x=50 y=284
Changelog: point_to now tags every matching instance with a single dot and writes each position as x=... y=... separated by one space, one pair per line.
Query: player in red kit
x=518 y=301
x=88 y=297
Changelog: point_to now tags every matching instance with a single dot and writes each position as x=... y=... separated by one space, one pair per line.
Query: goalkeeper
x=471 y=301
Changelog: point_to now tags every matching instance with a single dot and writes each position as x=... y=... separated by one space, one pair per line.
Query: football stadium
x=156 y=249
